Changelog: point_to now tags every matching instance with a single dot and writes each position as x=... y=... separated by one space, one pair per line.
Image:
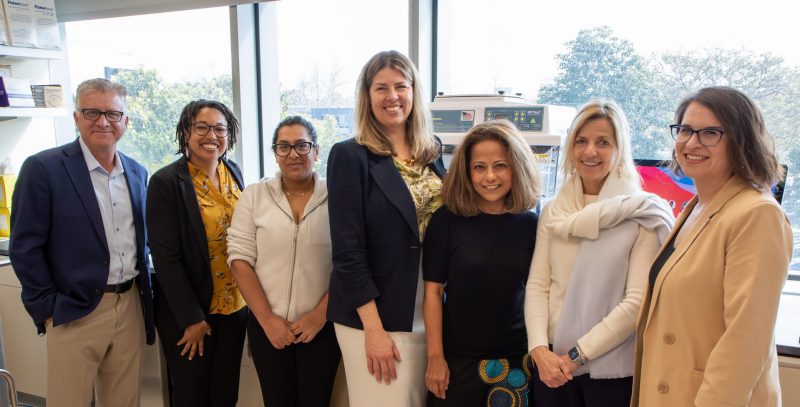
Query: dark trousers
x=301 y=374
x=212 y=379
x=583 y=391
x=479 y=383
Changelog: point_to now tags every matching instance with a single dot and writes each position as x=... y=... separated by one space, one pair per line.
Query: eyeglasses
x=709 y=136
x=94 y=114
x=202 y=129
x=302 y=148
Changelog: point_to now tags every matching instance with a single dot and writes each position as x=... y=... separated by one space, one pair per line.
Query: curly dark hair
x=188 y=115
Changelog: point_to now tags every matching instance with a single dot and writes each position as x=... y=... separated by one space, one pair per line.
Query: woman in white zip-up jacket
x=279 y=249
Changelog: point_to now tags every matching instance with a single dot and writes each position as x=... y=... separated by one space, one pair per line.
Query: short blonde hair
x=458 y=193
x=611 y=111
x=369 y=132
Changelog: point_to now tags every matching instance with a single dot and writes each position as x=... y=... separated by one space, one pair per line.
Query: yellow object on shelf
x=5 y=222
x=7 y=182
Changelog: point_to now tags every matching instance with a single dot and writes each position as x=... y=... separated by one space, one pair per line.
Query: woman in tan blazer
x=705 y=329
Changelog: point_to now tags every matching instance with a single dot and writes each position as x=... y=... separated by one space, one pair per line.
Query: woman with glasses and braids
x=200 y=313
x=279 y=249
x=705 y=334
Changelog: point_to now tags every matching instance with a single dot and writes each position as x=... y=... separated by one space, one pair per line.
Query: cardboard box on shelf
x=47 y=95
x=7 y=182
x=15 y=92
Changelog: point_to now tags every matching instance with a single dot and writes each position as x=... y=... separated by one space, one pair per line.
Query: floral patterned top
x=426 y=191
x=216 y=210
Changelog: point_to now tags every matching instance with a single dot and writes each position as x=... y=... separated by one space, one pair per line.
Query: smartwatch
x=575 y=356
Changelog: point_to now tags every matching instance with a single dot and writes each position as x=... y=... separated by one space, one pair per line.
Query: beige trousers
x=102 y=350
x=364 y=391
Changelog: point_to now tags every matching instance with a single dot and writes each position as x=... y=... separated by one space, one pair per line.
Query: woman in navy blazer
x=383 y=186
x=189 y=207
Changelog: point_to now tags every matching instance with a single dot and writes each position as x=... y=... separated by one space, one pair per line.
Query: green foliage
x=760 y=76
x=764 y=77
x=326 y=137
x=154 y=107
x=598 y=64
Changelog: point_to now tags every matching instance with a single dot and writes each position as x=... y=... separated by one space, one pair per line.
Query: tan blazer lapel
x=733 y=187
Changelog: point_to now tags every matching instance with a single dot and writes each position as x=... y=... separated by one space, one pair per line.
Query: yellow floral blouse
x=426 y=191
x=216 y=210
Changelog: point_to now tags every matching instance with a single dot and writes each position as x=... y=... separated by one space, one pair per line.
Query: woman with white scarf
x=594 y=246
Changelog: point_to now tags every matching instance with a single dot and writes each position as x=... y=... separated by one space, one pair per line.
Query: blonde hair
x=611 y=111
x=369 y=132
x=458 y=193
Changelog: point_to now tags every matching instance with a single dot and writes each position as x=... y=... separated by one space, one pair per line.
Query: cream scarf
x=607 y=229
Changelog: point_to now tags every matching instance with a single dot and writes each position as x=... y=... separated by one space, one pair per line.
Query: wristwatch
x=575 y=356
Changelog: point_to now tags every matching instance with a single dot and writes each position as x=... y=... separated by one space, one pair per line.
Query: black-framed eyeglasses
x=202 y=129
x=709 y=136
x=302 y=148
x=94 y=114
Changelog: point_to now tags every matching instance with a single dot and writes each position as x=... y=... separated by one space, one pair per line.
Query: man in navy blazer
x=78 y=247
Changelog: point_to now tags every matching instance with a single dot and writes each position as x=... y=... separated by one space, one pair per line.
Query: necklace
x=292 y=194
x=409 y=161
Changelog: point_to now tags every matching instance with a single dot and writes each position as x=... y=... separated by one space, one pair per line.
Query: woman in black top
x=477 y=253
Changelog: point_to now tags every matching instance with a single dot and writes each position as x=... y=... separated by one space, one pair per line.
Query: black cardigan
x=178 y=242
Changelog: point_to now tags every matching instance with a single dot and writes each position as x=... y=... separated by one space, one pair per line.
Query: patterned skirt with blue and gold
x=503 y=382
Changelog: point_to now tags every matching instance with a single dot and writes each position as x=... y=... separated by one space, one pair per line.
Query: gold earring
x=619 y=172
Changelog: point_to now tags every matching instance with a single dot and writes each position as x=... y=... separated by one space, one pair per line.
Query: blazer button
x=663 y=388
x=669 y=339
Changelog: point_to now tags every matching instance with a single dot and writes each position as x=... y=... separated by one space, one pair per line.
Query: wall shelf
x=31 y=53
x=8 y=113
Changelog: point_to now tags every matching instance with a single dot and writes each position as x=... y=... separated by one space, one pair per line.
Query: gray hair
x=100 y=85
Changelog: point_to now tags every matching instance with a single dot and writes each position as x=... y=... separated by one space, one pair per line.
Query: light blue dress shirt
x=114 y=199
